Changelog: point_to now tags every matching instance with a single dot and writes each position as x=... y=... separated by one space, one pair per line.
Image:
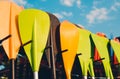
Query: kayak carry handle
x=5 y=38
x=26 y=43
x=99 y=60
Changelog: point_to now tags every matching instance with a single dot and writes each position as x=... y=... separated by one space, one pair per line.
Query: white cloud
x=115 y=6
x=67 y=14
x=78 y=2
x=20 y=2
x=58 y=15
x=67 y=2
x=97 y=15
x=71 y=3
x=63 y=14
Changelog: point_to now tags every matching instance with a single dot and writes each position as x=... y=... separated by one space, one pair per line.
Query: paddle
x=84 y=47
x=34 y=26
x=101 y=45
x=52 y=41
x=9 y=28
x=96 y=53
x=69 y=36
x=116 y=47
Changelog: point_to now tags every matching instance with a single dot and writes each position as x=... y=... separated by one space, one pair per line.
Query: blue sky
x=93 y=15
